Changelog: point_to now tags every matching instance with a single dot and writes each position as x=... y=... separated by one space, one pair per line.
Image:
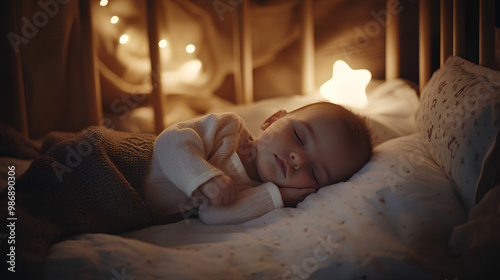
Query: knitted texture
x=87 y=184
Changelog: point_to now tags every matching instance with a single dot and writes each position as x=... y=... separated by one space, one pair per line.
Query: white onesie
x=189 y=154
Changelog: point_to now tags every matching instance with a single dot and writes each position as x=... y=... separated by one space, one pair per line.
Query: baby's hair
x=356 y=126
x=357 y=129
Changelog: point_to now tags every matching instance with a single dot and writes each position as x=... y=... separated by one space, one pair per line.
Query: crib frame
x=452 y=42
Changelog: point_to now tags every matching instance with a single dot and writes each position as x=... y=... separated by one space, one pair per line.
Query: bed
x=426 y=205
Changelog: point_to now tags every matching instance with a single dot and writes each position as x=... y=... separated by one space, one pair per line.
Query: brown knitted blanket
x=84 y=183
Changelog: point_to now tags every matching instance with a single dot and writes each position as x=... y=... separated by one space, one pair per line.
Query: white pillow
x=459 y=117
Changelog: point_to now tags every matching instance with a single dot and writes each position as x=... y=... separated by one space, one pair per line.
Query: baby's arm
x=220 y=190
x=185 y=151
x=250 y=203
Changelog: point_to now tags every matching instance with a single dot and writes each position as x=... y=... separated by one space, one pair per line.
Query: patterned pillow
x=459 y=115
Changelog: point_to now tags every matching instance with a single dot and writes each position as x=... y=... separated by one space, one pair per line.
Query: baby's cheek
x=300 y=180
x=265 y=170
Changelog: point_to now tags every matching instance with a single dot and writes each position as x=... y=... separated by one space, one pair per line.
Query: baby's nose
x=297 y=160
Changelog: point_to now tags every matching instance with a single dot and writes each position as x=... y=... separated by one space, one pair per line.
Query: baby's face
x=307 y=148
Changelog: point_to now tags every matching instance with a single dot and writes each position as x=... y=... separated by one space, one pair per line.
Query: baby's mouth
x=281 y=164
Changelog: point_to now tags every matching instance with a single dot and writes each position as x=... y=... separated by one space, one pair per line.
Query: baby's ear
x=276 y=116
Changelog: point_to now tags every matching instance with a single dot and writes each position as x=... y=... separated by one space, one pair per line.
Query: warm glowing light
x=190 y=70
x=162 y=43
x=114 y=19
x=123 y=39
x=103 y=3
x=347 y=86
x=190 y=48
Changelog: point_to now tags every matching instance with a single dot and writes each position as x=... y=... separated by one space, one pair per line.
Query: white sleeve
x=250 y=203
x=185 y=151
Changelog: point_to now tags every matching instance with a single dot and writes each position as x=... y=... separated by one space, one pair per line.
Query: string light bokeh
x=125 y=25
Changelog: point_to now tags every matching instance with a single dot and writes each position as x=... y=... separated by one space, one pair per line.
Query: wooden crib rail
x=424 y=42
x=392 y=46
x=452 y=36
x=154 y=56
x=90 y=54
x=307 y=43
x=21 y=116
x=454 y=12
x=242 y=50
x=487 y=33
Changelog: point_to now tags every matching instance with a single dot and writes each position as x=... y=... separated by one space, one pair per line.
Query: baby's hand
x=220 y=190
x=292 y=196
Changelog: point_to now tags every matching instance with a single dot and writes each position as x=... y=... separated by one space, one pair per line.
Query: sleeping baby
x=105 y=181
x=214 y=165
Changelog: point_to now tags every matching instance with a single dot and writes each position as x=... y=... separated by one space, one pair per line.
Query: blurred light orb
x=190 y=48
x=123 y=39
x=190 y=71
x=162 y=43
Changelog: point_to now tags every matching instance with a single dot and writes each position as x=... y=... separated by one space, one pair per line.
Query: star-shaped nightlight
x=347 y=86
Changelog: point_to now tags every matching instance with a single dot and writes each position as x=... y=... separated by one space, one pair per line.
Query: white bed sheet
x=390 y=221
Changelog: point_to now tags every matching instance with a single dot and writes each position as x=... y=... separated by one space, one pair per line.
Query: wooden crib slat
x=424 y=42
x=20 y=99
x=307 y=42
x=95 y=113
x=446 y=36
x=242 y=51
x=154 y=53
x=486 y=33
x=392 y=45
x=22 y=116
x=459 y=28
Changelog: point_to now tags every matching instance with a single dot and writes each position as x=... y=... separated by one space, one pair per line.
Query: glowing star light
x=347 y=86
